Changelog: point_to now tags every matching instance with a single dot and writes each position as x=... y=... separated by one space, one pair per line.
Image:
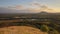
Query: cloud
x=35 y=4
x=6 y=10
x=17 y=7
x=41 y=7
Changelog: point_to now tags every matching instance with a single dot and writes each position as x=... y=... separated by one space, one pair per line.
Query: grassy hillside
x=46 y=22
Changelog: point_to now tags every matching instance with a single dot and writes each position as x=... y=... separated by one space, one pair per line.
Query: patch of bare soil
x=20 y=30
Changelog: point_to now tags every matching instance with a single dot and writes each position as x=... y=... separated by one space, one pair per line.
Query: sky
x=34 y=5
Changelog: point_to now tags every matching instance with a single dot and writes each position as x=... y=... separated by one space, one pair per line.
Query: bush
x=44 y=28
x=56 y=32
x=53 y=31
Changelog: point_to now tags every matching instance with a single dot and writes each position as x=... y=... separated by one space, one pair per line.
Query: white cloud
x=35 y=6
x=41 y=7
x=17 y=7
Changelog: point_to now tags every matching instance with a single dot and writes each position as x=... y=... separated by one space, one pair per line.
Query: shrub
x=44 y=28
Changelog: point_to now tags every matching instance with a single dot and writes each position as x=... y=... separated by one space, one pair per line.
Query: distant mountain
x=43 y=13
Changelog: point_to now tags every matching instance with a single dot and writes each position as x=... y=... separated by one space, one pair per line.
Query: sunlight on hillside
x=20 y=30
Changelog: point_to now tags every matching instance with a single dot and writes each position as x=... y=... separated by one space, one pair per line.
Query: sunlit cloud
x=17 y=7
x=41 y=7
x=34 y=6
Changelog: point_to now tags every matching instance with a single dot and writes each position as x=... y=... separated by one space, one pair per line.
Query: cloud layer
x=32 y=7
